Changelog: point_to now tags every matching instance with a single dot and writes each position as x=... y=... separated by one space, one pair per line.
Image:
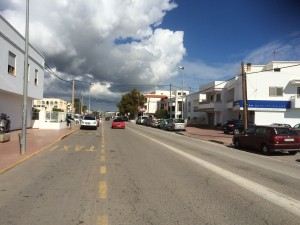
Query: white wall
x=11 y=86
x=15 y=110
x=12 y=41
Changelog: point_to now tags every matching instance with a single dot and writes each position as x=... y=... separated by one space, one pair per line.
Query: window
x=275 y=91
x=298 y=92
x=218 y=97
x=11 y=63
x=189 y=106
x=36 y=76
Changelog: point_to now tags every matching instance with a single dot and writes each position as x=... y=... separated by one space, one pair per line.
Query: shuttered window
x=275 y=91
x=11 y=63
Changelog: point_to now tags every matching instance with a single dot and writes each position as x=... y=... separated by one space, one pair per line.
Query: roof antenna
x=274 y=54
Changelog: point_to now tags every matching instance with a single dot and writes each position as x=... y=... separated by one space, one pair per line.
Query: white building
x=48 y=104
x=273 y=95
x=12 y=45
x=178 y=106
x=154 y=102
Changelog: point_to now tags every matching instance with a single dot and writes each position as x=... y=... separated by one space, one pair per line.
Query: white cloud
x=79 y=37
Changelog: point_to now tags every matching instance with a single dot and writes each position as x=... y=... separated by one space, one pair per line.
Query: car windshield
x=89 y=118
x=118 y=120
x=281 y=131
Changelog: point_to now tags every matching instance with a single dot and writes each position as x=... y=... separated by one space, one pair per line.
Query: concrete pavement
x=39 y=139
x=36 y=141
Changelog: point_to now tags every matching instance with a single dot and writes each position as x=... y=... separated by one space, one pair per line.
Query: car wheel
x=237 y=144
x=266 y=150
x=236 y=131
x=292 y=152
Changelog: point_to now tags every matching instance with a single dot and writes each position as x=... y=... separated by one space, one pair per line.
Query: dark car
x=297 y=128
x=234 y=126
x=268 y=139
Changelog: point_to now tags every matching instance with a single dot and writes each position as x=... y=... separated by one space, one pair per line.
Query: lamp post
x=182 y=68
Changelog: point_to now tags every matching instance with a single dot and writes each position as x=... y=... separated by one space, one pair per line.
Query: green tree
x=161 y=113
x=77 y=105
x=131 y=102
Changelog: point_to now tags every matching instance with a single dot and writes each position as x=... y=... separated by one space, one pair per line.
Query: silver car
x=176 y=124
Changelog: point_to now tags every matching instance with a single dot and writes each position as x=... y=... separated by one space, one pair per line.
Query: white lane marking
x=269 y=194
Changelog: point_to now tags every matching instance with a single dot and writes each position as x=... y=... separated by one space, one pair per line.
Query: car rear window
x=281 y=131
x=89 y=118
x=179 y=121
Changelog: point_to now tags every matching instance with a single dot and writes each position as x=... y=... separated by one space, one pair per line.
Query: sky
x=110 y=47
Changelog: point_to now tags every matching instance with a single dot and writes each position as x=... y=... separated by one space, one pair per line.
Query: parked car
x=150 y=121
x=281 y=125
x=89 y=121
x=156 y=123
x=234 y=126
x=118 y=123
x=125 y=118
x=77 y=118
x=163 y=124
x=268 y=139
x=145 y=121
x=141 y=119
x=176 y=124
x=297 y=128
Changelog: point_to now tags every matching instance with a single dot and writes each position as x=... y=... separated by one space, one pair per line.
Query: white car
x=176 y=124
x=89 y=121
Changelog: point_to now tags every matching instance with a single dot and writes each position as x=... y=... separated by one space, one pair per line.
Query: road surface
x=143 y=175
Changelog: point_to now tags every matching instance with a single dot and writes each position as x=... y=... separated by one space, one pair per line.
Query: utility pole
x=245 y=99
x=170 y=103
x=25 y=85
x=73 y=102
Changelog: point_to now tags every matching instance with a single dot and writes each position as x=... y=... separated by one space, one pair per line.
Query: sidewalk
x=39 y=139
x=207 y=134
x=36 y=141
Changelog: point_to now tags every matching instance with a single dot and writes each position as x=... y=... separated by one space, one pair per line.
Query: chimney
x=248 y=67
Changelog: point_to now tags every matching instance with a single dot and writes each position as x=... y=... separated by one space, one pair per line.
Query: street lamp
x=182 y=68
x=90 y=97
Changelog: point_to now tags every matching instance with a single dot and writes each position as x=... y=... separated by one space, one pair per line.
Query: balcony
x=209 y=105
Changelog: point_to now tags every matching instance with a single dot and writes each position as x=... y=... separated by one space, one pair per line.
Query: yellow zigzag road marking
x=66 y=148
x=79 y=147
x=92 y=149
x=76 y=148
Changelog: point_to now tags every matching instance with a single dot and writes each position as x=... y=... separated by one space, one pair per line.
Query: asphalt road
x=142 y=175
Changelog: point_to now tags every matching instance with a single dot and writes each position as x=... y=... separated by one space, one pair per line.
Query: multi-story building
x=12 y=58
x=154 y=101
x=178 y=106
x=273 y=95
x=48 y=104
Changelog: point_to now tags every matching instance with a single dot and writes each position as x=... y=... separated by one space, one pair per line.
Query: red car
x=118 y=123
x=269 y=139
